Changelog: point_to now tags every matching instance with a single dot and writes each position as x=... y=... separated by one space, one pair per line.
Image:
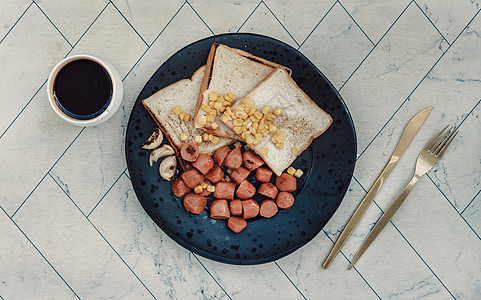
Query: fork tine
x=434 y=139
x=446 y=145
x=442 y=140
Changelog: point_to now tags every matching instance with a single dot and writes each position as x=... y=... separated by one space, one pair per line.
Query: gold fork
x=427 y=159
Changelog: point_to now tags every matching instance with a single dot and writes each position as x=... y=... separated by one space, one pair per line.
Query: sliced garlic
x=167 y=167
x=154 y=140
x=164 y=150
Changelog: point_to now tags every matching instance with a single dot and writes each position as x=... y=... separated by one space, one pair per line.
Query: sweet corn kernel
x=226 y=103
x=222 y=109
x=228 y=110
x=247 y=123
x=238 y=122
x=203 y=120
x=211 y=136
x=272 y=128
x=256 y=142
x=187 y=117
x=255 y=125
x=280 y=139
x=227 y=178
x=198 y=189
x=211 y=104
x=218 y=105
x=211 y=118
x=265 y=133
x=241 y=114
x=265 y=151
x=229 y=171
x=245 y=134
x=265 y=110
x=215 y=140
x=220 y=99
x=291 y=171
x=214 y=125
x=204 y=185
x=252 y=111
x=274 y=139
x=206 y=108
x=280 y=145
x=298 y=173
x=257 y=115
x=252 y=130
x=258 y=136
x=211 y=188
x=237 y=144
x=246 y=100
x=205 y=137
x=294 y=150
x=231 y=96
x=269 y=117
x=198 y=139
x=237 y=129
x=253 y=119
x=249 y=139
x=247 y=147
x=213 y=95
x=224 y=119
x=176 y=110
x=184 y=136
x=277 y=111
x=181 y=116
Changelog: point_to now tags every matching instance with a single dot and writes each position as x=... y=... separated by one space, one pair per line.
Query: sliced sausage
x=251 y=160
x=234 y=159
x=179 y=188
x=268 y=208
x=189 y=151
x=236 y=224
x=219 y=209
x=192 y=178
x=220 y=154
x=245 y=190
x=235 y=207
x=224 y=190
x=268 y=190
x=194 y=203
x=285 y=200
x=263 y=174
x=215 y=175
x=250 y=209
x=204 y=163
x=238 y=175
x=286 y=183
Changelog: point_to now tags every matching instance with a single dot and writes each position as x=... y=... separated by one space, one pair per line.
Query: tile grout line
x=350 y=16
x=248 y=17
x=118 y=10
x=88 y=28
x=118 y=178
x=125 y=172
x=369 y=53
x=470 y=202
x=11 y=28
x=48 y=172
x=275 y=262
x=200 y=17
x=445 y=197
x=417 y=85
x=48 y=262
x=208 y=272
x=431 y=22
x=153 y=42
x=405 y=239
x=103 y=237
x=280 y=23
x=317 y=25
x=354 y=267
x=52 y=23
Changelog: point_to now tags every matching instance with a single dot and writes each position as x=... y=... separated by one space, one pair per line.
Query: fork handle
x=384 y=220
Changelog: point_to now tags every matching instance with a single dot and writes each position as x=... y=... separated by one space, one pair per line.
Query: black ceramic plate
x=328 y=164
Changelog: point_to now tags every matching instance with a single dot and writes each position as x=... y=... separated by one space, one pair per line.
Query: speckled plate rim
x=262 y=260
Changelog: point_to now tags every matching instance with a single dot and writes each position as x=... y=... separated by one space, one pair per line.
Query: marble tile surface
x=71 y=226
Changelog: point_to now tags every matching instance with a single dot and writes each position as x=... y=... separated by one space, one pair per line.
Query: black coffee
x=82 y=89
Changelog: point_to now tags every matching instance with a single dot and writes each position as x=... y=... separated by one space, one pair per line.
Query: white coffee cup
x=115 y=100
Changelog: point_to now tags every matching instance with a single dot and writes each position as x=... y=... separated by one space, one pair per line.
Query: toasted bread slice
x=302 y=120
x=183 y=93
x=230 y=70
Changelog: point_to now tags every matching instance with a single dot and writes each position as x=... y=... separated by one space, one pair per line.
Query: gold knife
x=409 y=132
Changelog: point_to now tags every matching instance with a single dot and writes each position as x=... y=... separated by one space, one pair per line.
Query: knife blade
x=409 y=133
